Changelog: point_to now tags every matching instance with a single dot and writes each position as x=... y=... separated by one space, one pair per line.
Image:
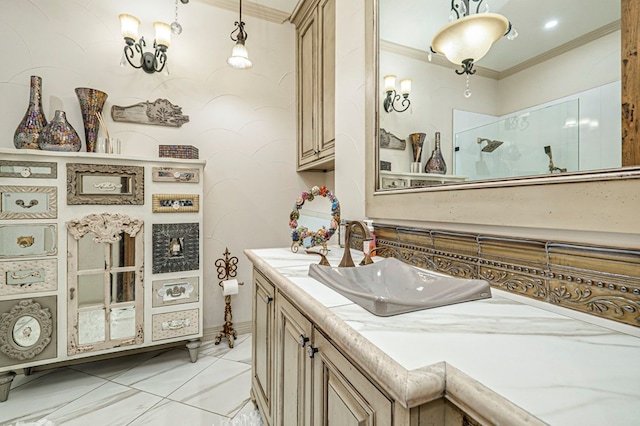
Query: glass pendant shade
x=239 y=57
x=405 y=86
x=469 y=37
x=389 y=83
x=129 y=26
x=163 y=34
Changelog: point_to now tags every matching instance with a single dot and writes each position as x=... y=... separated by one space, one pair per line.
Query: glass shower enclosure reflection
x=538 y=142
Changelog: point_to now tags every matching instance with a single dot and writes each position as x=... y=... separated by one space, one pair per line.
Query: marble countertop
x=505 y=358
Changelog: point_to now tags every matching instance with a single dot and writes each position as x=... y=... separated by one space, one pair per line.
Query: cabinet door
x=263 y=336
x=294 y=365
x=342 y=395
x=308 y=127
x=327 y=14
x=105 y=293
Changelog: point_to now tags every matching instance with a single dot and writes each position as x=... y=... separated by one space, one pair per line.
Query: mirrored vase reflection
x=91 y=102
x=33 y=122
x=59 y=135
x=436 y=163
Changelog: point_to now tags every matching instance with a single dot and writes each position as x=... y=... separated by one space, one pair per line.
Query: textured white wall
x=242 y=121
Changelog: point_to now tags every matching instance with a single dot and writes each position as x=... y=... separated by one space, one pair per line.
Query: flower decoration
x=320 y=237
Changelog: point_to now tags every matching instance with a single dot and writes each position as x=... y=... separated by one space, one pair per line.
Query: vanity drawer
x=28 y=240
x=175 y=291
x=28 y=276
x=175 y=324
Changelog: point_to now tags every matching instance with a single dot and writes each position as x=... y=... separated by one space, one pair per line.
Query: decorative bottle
x=33 y=122
x=436 y=163
x=59 y=135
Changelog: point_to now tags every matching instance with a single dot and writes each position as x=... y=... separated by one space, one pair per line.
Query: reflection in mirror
x=578 y=61
x=123 y=287
x=91 y=326
x=314 y=219
x=123 y=251
x=105 y=184
x=123 y=323
x=26 y=331
x=92 y=254
x=90 y=290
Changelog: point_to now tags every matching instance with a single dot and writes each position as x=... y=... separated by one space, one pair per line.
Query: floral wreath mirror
x=303 y=221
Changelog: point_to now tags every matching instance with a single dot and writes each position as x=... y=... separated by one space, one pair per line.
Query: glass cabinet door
x=105 y=283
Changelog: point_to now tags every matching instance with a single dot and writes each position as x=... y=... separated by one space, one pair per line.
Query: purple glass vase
x=28 y=131
x=59 y=135
x=91 y=103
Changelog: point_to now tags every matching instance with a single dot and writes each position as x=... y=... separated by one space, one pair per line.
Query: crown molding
x=252 y=9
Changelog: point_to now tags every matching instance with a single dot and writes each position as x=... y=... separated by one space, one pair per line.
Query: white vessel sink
x=391 y=287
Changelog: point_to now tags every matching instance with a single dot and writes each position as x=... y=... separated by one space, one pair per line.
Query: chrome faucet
x=347 y=261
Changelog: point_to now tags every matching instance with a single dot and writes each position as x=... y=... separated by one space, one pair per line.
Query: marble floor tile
x=171 y=413
x=40 y=397
x=222 y=388
x=119 y=404
x=164 y=373
x=211 y=349
x=241 y=352
x=111 y=368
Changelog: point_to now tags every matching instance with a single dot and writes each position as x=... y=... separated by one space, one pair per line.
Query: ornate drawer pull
x=25 y=172
x=34 y=274
x=26 y=241
x=175 y=291
x=107 y=186
x=176 y=324
x=183 y=176
x=26 y=206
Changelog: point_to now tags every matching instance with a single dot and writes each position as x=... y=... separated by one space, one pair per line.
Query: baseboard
x=211 y=333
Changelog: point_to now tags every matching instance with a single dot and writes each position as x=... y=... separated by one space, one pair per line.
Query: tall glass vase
x=59 y=135
x=436 y=163
x=28 y=131
x=91 y=103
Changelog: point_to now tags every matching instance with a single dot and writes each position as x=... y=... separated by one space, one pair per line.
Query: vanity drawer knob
x=268 y=299
x=311 y=351
x=303 y=340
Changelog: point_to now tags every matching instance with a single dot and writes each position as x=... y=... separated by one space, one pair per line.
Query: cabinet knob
x=311 y=351
x=303 y=340
x=268 y=299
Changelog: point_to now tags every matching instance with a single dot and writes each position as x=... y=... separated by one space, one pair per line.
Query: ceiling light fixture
x=150 y=62
x=469 y=35
x=551 y=24
x=239 y=55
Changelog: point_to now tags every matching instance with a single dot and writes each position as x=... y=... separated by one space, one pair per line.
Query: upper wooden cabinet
x=315 y=50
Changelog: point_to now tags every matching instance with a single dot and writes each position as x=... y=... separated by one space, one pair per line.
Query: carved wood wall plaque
x=161 y=112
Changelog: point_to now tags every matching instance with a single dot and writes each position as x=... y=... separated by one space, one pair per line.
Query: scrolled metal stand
x=227 y=268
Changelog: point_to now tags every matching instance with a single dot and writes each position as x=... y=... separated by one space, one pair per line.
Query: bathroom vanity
x=501 y=360
x=99 y=254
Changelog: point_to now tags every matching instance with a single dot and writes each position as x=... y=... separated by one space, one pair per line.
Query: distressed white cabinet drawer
x=175 y=324
x=28 y=276
x=175 y=291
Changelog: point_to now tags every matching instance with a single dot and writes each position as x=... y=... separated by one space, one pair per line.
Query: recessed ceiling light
x=551 y=24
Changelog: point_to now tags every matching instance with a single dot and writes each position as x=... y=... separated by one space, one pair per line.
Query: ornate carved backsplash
x=601 y=281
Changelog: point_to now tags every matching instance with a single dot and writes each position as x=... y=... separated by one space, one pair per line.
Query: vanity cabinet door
x=342 y=395
x=263 y=365
x=293 y=371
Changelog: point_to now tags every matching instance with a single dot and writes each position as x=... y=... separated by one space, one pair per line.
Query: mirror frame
x=320 y=237
x=574 y=202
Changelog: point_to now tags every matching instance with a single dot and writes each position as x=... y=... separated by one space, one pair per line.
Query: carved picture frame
x=104 y=184
x=175 y=174
x=176 y=247
x=175 y=203
x=28 y=202
x=27 y=329
x=28 y=169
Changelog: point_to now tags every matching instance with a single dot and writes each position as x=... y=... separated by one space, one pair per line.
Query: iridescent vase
x=28 y=131
x=91 y=103
x=436 y=163
x=59 y=135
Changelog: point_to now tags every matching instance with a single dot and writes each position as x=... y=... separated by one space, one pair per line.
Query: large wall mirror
x=544 y=104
